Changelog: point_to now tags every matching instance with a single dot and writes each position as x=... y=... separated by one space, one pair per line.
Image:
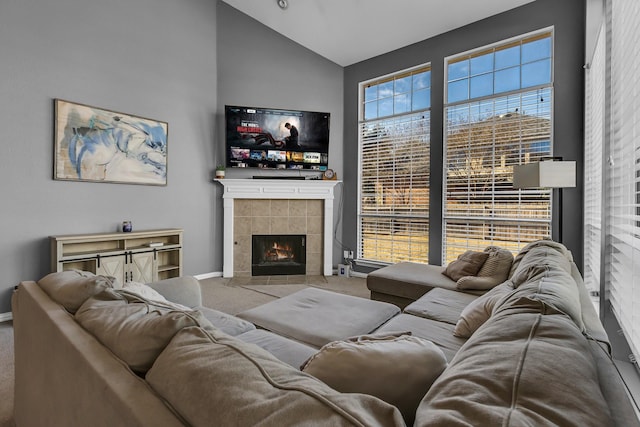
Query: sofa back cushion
x=544 y=273
x=544 y=376
x=480 y=310
x=558 y=247
x=134 y=329
x=73 y=287
x=213 y=379
x=183 y=290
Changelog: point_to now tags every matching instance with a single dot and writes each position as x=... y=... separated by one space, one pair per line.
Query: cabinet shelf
x=126 y=256
x=167 y=267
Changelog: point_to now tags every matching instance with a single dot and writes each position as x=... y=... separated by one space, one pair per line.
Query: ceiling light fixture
x=283 y=4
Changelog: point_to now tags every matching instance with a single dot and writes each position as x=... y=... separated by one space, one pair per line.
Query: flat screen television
x=271 y=138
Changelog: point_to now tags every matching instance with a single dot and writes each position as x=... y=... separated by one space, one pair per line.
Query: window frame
x=447 y=216
x=362 y=121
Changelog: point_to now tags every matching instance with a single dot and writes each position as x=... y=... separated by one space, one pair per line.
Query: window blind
x=622 y=182
x=498 y=114
x=394 y=189
x=484 y=140
x=595 y=77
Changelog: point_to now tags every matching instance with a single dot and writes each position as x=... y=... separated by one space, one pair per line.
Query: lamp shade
x=548 y=174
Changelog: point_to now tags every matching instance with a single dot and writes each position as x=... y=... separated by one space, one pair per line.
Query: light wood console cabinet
x=139 y=256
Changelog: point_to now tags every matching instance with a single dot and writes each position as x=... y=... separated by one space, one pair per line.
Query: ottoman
x=318 y=317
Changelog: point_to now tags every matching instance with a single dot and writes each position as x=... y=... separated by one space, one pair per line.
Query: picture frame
x=98 y=145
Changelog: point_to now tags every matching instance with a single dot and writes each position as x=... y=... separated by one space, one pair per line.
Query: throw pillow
x=479 y=310
x=467 y=264
x=494 y=271
x=73 y=287
x=398 y=369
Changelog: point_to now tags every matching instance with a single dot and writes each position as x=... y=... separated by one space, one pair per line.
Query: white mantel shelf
x=277 y=189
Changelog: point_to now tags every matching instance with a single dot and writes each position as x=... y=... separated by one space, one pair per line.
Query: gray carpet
x=6 y=374
x=228 y=295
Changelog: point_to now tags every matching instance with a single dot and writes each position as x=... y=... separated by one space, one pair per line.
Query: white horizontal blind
x=498 y=114
x=622 y=260
x=594 y=127
x=485 y=140
x=394 y=189
x=394 y=149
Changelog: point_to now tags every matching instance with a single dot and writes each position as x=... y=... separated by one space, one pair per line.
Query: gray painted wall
x=153 y=58
x=259 y=67
x=568 y=19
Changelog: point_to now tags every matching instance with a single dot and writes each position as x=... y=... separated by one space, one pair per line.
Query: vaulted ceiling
x=350 y=31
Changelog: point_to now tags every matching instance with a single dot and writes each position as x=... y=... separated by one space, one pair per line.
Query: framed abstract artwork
x=97 y=145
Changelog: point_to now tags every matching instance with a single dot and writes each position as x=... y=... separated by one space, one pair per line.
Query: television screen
x=277 y=139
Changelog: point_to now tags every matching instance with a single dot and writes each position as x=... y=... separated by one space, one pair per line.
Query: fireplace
x=277 y=206
x=273 y=255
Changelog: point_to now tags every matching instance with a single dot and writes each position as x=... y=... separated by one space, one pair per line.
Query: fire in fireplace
x=273 y=255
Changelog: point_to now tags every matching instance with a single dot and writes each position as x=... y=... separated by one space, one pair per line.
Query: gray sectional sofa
x=529 y=351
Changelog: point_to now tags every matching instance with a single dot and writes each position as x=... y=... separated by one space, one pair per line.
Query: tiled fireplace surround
x=277 y=207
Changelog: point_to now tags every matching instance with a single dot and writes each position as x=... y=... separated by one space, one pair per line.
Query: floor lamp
x=549 y=173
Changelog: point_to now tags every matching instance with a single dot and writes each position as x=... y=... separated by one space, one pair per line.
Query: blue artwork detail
x=101 y=143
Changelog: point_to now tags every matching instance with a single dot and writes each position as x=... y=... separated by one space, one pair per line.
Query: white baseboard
x=358 y=274
x=352 y=274
x=219 y=274
x=208 y=275
x=5 y=317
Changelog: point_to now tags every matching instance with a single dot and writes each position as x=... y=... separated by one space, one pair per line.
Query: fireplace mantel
x=276 y=189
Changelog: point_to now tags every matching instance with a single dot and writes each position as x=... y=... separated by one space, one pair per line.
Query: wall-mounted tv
x=271 y=138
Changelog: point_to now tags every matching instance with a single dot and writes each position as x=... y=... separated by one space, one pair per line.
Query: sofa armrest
x=183 y=290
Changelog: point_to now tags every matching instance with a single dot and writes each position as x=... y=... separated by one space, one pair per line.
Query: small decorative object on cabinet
x=138 y=256
x=220 y=172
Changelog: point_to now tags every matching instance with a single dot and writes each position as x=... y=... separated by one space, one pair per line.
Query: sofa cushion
x=227 y=323
x=440 y=304
x=213 y=379
x=547 y=361
x=478 y=311
x=440 y=333
x=558 y=247
x=317 y=317
x=467 y=264
x=494 y=271
x=545 y=274
x=135 y=330
x=73 y=287
x=291 y=352
x=183 y=290
x=397 y=368
x=409 y=280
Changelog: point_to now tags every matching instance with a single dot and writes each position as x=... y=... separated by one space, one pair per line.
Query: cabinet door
x=142 y=267
x=112 y=266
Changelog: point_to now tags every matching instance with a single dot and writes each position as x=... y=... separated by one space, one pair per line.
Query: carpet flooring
x=228 y=295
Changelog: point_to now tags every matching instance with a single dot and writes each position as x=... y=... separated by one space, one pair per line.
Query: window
x=622 y=170
x=594 y=128
x=497 y=114
x=394 y=132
